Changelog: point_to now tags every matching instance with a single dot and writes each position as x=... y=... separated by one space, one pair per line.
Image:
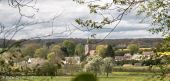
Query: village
x=84 y=40
x=76 y=63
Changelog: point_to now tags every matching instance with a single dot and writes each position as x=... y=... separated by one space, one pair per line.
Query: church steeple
x=87 y=48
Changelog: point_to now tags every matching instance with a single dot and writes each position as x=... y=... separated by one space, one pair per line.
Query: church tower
x=87 y=47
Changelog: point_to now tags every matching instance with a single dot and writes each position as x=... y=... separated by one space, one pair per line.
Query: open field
x=135 y=69
x=115 y=76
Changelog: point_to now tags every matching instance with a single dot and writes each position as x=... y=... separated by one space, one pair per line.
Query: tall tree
x=79 y=50
x=93 y=65
x=110 y=51
x=107 y=65
x=54 y=58
x=69 y=47
x=57 y=50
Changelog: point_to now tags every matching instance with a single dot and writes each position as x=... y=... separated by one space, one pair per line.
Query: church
x=89 y=48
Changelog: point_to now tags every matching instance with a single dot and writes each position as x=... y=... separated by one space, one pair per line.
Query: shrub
x=47 y=69
x=126 y=62
x=85 y=77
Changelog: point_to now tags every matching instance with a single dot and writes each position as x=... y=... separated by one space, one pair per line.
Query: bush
x=120 y=63
x=47 y=69
x=151 y=62
x=85 y=77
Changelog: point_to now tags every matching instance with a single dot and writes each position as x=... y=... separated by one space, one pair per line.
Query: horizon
x=84 y=38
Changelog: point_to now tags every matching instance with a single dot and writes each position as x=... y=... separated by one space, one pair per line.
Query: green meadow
x=115 y=76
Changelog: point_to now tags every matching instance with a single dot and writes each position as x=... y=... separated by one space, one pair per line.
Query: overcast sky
x=67 y=12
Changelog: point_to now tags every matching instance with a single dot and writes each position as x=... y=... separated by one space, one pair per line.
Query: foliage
x=162 y=54
x=79 y=50
x=151 y=62
x=107 y=65
x=164 y=46
x=105 y=51
x=29 y=49
x=7 y=61
x=54 y=58
x=69 y=47
x=133 y=48
x=101 y=50
x=110 y=52
x=13 y=54
x=47 y=69
x=126 y=62
x=158 y=10
x=93 y=65
x=56 y=54
x=85 y=77
x=57 y=50
x=41 y=53
x=155 y=12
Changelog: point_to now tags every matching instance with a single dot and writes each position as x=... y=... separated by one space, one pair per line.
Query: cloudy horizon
x=64 y=26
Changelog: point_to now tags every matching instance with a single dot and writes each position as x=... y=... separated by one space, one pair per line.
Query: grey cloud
x=69 y=12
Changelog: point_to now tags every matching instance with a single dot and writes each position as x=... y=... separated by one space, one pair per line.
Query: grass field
x=135 y=69
x=115 y=76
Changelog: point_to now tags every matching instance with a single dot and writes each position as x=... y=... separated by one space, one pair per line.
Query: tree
x=101 y=50
x=105 y=51
x=107 y=65
x=79 y=50
x=93 y=65
x=164 y=46
x=110 y=51
x=133 y=48
x=69 y=47
x=54 y=58
x=29 y=49
x=56 y=54
x=47 y=69
x=41 y=53
x=56 y=49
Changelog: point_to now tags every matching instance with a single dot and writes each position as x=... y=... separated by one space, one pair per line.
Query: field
x=135 y=69
x=115 y=76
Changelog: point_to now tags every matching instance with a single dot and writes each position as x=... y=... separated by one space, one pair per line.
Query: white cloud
x=69 y=10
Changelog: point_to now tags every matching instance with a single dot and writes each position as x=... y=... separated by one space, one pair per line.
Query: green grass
x=115 y=76
x=135 y=69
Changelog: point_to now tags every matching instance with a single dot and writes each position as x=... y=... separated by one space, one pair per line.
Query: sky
x=64 y=26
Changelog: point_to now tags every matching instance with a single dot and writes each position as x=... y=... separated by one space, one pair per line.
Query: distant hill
x=143 y=42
